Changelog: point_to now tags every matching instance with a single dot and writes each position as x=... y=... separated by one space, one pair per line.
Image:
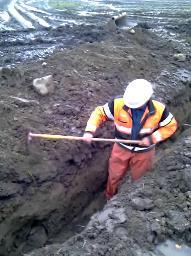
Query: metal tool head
x=29 y=138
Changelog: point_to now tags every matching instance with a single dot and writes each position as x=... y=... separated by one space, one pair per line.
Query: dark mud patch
x=48 y=184
x=27 y=45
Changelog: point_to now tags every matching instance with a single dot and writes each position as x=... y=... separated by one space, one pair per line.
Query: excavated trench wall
x=79 y=187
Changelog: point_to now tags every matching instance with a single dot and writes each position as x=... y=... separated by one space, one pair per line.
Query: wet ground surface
x=142 y=215
x=46 y=185
x=49 y=189
x=34 y=38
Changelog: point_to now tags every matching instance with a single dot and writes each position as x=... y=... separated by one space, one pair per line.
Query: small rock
x=132 y=31
x=180 y=57
x=130 y=58
x=188 y=193
x=44 y=64
x=177 y=221
x=44 y=85
x=142 y=204
x=153 y=54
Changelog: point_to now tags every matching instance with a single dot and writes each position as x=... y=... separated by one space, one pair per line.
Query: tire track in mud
x=25 y=15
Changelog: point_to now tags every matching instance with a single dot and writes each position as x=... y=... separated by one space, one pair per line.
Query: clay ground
x=45 y=185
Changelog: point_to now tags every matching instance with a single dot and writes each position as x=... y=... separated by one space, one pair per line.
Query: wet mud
x=142 y=215
x=47 y=184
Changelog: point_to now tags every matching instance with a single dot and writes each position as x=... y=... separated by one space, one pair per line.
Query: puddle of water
x=170 y=248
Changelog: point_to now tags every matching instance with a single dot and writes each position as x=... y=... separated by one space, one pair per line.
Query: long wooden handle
x=61 y=137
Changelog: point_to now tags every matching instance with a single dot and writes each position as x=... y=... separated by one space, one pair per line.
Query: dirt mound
x=44 y=186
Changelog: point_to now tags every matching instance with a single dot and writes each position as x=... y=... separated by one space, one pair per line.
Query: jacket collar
x=150 y=105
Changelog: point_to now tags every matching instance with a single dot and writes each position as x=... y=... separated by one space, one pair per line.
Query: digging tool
x=62 y=137
x=187 y=125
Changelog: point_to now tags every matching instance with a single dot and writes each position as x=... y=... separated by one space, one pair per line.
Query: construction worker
x=136 y=117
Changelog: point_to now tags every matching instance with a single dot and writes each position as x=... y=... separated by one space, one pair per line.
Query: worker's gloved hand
x=147 y=141
x=88 y=137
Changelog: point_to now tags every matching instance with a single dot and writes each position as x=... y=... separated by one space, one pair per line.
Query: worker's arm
x=99 y=116
x=167 y=126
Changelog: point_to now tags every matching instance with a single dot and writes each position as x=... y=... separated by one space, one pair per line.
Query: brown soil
x=46 y=184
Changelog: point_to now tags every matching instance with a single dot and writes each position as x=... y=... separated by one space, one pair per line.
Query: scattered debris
x=22 y=102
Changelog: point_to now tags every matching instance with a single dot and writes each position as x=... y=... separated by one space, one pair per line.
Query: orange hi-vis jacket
x=157 y=122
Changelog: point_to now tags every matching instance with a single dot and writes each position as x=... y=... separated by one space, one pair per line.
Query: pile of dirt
x=46 y=184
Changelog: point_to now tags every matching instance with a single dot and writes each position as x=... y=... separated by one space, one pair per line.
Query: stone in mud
x=130 y=58
x=132 y=31
x=177 y=221
x=109 y=218
x=180 y=57
x=142 y=204
x=44 y=85
x=188 y=194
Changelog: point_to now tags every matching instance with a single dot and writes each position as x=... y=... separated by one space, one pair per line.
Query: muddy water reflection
x=170 y=248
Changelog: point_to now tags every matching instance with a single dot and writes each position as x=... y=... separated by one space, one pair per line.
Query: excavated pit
x=49 y=189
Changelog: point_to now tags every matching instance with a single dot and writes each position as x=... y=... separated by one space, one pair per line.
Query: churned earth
x=46 y=186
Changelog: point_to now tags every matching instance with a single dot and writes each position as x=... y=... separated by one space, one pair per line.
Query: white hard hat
x=137 y=93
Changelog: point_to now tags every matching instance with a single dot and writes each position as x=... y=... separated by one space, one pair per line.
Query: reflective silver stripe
x=146 y=130
x=91 y=128
x=167 y=120
x=157 y=136
x=135 y=148
x=123 y=129
x=128 y=130
x=108 y=112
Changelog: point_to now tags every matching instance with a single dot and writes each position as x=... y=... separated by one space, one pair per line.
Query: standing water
x=170 y=248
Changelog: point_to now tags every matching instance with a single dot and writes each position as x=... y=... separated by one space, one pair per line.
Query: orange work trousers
x=122 y=160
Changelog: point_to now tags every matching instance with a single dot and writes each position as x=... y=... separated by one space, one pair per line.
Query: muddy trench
x=50 y=189
x=79 y=196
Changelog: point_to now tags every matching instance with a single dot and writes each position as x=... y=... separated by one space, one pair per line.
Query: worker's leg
x=118 y=165
x=140 y=163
